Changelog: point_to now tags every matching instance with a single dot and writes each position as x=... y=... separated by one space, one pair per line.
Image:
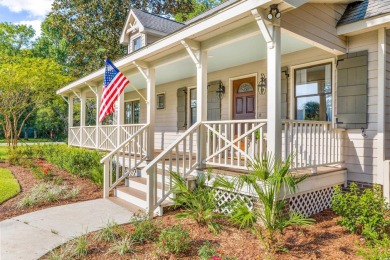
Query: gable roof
x=155 y=22
x=361 y=10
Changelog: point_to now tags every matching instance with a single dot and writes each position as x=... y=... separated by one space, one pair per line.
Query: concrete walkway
x=32 y=235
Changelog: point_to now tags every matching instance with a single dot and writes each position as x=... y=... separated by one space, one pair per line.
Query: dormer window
x=137 y=43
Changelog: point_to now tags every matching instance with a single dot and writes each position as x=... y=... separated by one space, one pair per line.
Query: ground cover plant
x=9 y=186
x=323 y=240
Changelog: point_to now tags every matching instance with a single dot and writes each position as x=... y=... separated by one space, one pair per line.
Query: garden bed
x=86 y=189
x=324 y=240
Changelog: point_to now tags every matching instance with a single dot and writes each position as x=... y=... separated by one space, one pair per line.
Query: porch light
x=220 y=91
x=274 y=12
x=262 y=85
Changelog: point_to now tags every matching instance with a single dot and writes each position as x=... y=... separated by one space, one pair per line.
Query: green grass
x=9 y=186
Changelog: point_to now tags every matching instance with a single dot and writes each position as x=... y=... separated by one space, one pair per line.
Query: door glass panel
x=250 y=104
x=245 y=87
x=239 y=105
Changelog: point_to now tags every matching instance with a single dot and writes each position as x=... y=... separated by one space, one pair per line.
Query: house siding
x=360 y=153
x=316 y=22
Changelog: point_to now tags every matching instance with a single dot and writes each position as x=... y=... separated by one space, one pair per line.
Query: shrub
x=123 y=246
x=144 y=229
x=78 y=161
x=266 y=178
x=174 y=239
x=80 y=246
x=364 y=212
x=376 y=250
x=199 y=204
x=208 y=251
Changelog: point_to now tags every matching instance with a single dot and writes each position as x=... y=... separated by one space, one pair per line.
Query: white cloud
x=36 y=24
x=37 y=8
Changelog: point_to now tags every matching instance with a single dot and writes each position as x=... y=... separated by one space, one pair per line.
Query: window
x=132 y=109
x=313 y=93
x=193 y=102
x=137 y=43
x=160 y=101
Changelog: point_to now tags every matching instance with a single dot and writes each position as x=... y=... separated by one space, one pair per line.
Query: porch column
x=83 y=108
x=70 y=115
x=99 y=92
x=151 y=109
x=120 y=117
x=274 y=115
x=201 y=95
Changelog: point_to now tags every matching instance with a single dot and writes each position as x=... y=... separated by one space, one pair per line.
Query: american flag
x=114 y=84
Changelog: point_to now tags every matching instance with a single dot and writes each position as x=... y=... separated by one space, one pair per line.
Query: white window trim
x=230 y=93
x=292 y=84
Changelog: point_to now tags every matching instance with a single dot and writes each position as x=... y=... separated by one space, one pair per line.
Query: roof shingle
x=361 y=10
x=156 y=22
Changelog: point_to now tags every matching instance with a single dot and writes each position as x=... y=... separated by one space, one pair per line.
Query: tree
x=15 y=39
x=25 y=84
x=196 y=7
x=312 y=110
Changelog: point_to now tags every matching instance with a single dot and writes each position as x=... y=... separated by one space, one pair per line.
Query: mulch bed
x=26 y=179
x=324 y=240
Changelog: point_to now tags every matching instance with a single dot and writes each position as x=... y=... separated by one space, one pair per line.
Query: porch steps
x=127 y=205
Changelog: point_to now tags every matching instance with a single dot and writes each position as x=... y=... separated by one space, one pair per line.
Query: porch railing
x=106 y=137
x=125 y=159
x=312 y=143
x=234 y=143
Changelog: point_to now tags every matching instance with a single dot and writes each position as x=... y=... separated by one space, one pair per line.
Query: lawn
x=9 y=186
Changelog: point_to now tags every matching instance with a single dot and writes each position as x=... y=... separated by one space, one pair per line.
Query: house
x=302 y=77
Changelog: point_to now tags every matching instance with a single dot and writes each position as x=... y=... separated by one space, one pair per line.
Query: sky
x=30 y=12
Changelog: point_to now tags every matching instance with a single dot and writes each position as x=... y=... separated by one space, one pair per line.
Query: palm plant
x=199 y=204
x=271 y=181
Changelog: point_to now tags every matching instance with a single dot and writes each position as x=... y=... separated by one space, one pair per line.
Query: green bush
x=376 y=250
x=78 y=161
x=365 y=213
x=144 y=229
x=174 y=240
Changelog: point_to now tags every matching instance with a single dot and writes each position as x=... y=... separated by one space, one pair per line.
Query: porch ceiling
x=240 y=52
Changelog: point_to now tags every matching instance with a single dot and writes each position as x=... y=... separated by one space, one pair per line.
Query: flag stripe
x=114 y=84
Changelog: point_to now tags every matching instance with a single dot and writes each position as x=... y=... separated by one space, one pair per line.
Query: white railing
x=103 y=137
x=234 y=144
x=125 y=159
x=312 y=143
x=74 y=136
x=89 y=136
x=181 y=157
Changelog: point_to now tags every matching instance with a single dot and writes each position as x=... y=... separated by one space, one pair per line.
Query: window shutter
x=213 y=103
x=284 y=85
x=352 y=81
x=182 y=109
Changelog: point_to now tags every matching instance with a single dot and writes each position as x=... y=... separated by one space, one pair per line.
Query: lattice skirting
x=311 y=202
x=224 y=198
x=306 y=203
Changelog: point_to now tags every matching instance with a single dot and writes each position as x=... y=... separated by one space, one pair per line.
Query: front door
x=244 y=101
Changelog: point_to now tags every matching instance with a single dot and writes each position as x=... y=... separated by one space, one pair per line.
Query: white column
x=151 y=109
x=274 y=122
x=201 y=95
x=83 y=108
x=383 y=164
x=120 y=113
x=99 y=91
x=70 y=115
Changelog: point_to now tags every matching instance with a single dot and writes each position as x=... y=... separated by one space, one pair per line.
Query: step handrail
x=123 y=144
x=153 y=200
